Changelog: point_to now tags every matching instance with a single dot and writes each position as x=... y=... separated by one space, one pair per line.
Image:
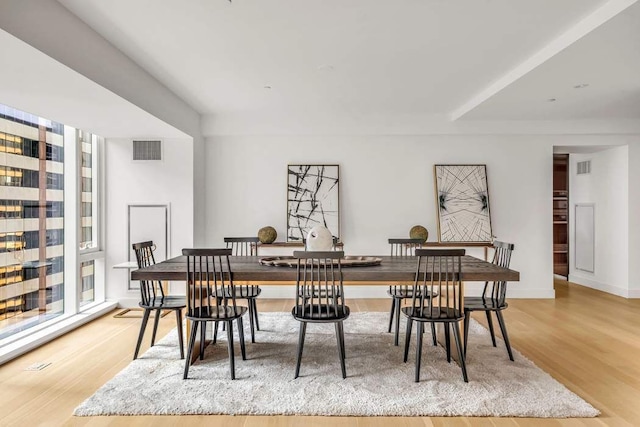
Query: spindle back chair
x=153 y=298
x=493 y=298
x=246 y=246
x=437 y=297
x=211 y=298
x=398 y=293
x=320 y=297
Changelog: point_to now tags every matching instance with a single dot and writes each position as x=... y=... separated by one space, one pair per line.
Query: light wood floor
x=587 y=340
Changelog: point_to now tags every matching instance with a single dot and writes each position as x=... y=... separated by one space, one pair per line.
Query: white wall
x=169 y=181
x=608 y=189
x=634 y=219
x=387 y=187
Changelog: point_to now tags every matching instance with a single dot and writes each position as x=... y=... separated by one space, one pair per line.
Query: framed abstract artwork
x=462 y=199
x=312 y=199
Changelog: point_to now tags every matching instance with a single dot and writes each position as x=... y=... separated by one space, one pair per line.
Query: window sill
x=12 y=347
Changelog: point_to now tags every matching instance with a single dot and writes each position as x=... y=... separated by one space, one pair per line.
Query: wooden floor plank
x=574 y=338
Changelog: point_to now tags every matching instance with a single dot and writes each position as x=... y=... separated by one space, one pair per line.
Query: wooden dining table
x=389 y=271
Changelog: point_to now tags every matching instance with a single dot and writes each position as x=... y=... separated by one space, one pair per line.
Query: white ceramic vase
x=319 y=238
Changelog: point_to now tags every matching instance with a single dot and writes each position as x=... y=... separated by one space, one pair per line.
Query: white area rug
x=378 y=382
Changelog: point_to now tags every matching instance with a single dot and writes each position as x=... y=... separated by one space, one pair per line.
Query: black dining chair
x=211 y=298
x=153 y=298
x=493 y=299
x=438 y=273
x=320 y=297
x=398 y=293
x=246 y=246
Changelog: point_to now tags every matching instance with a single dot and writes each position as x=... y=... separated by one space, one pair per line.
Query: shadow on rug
x=378 y=382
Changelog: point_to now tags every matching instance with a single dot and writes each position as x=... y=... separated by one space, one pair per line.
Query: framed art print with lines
x=462 y=199
x=312 y=199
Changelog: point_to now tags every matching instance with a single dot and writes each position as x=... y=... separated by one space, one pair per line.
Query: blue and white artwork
x=312 y=199
x=463 y=203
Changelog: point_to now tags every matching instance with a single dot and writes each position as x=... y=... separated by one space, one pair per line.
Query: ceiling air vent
x=147 y=150
x=584 y=167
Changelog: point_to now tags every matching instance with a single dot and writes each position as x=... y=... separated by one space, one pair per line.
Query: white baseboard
x=530 y=293
x=594 y=284
x=128 y=302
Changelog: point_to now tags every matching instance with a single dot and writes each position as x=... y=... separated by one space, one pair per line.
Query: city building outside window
x=32 y=221
x=89 y=233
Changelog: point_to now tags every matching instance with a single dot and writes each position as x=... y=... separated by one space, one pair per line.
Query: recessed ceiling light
x=267 y=87
x=551 y=100
x=581 y=86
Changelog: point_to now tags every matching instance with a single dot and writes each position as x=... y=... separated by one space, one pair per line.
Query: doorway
x=561 y=215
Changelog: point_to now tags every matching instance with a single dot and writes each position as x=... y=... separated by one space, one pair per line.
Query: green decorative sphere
x=418 y=232
x=267 y=234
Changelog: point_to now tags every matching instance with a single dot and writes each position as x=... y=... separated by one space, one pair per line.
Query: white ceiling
x=391 y=58
x=38 y=84
x=607 y=59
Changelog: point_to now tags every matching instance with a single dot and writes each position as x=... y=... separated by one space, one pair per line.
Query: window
x=13 y=241
x=55 y=181
x=87 y=278
x=35 y=281
x=31 y=286
x=88 y=191
x=10 y=209
x=89 y=230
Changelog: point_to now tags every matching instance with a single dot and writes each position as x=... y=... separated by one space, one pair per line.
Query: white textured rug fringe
x=378 y=382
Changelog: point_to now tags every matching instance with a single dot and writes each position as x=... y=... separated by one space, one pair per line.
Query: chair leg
x=407 y=339
x=434 y=337
x=418 y=351
x=180 y=339
x=467 y=322
x=215 y=332
x=340 y=351
x=447 y=341
x=393 y=307
x=241 y=337
x=303 y=330
x=203 y=337
x=156 y=320
x=192 y=342
x=143 y=326
x=463 y=363
x=398 y=304
x=490 y=322
x=255 y=313
x=505 y=336
x=232 y=364
x=250 y=304
x=344 y=350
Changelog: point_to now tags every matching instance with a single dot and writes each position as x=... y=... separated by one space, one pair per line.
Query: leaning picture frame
x=462 y=203
x=313 y=198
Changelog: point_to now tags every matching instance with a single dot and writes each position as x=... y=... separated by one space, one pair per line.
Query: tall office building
x=88 y=205
x=31 y=220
